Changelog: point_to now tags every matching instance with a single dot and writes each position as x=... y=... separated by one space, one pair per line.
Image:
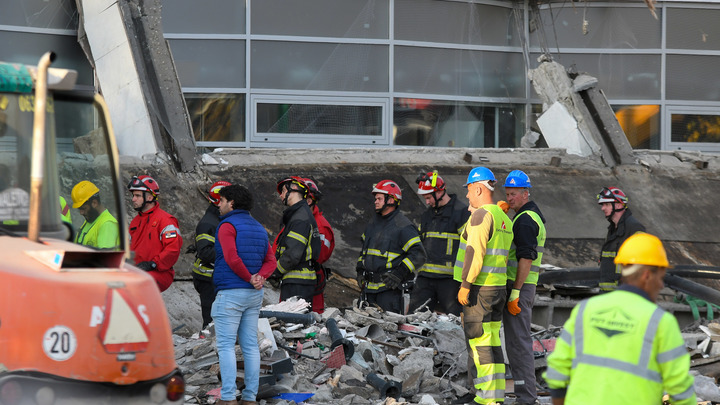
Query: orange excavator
x=78 y=325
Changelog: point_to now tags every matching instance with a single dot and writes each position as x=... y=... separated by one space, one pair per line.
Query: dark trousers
x=442 y=293
x=518 y=344
x=388 y=300
x=204 y=286
x=303 y=291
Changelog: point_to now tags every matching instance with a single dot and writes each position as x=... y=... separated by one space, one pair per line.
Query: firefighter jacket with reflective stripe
x=251 y=244
x=616 y=235
x=484 y=246
x=298 y=245
x=327 y=236
x=390 y=243
x=205 y=242
x=528 y=241
x=440 y=230
x=102 y=233
x=620 y=348
x=155 y=236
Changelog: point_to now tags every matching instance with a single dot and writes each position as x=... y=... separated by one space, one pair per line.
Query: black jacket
x=205 y=242
x=439 y=229
x=525 y=232
x=296 y=260
x=626 y=227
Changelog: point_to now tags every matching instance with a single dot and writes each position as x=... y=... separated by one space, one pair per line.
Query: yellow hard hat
x=642 y=248
x=82 y=192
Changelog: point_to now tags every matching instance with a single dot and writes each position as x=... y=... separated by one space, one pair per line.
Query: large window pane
x=561 y=25
x=693 y=28
x=58 y=14
x=203 y=17
x=319 y=119
x=621 y=76
x=459 y=72
x=209 y=63
x=217 y=117
x=692 y=77
x=66 y=47
x=641 y=124
x=455 y=22
x=695 y=128
x=321 y=18
x=319 y=66
x=420 y=122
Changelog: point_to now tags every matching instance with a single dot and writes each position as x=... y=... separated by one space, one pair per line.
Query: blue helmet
x=480 y=174
x=518 y=178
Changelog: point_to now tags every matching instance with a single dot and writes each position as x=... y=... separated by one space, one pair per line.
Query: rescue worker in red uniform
x=327 y=239
x=440 y=228
x=204 y=264
x=154 y=234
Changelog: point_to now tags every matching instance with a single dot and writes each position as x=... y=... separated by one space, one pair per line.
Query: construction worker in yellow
x=100 y=228
x=480 y=268
x=620 y=347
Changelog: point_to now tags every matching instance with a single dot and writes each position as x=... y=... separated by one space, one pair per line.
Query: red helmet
x=299 y=181
x=611 y=194
x=214 y=191
x=144 y=183
x=429 y=183
x=313 y=190
x=388 y=187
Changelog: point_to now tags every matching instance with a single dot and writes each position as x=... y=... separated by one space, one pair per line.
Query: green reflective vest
x=65 y=211
x=103 y=233
x=494 y=269
x=532 y=277
x=620 y=348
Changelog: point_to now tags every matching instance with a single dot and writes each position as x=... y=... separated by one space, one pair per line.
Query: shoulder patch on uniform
x=170 y=234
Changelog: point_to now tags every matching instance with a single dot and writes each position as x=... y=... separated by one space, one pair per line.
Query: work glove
x=275 y=279
x=503 y=206
x=391 y=281
x=147 y=266
x=191 y=249
x=463 y=296
x=514 y=302
x=360 y=277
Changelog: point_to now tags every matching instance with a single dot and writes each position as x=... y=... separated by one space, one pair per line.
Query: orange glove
x=513 y=302
x=463 y=296
x=503 y=206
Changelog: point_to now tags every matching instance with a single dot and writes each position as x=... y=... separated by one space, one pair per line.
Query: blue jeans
x=235 y=312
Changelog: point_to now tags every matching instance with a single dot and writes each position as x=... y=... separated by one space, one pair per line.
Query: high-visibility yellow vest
x=65 y=211
x=493 y=272
x=532 y=277
x=102 y=233
x=620 y=348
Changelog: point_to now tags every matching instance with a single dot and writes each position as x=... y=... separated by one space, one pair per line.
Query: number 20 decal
x=59 y=343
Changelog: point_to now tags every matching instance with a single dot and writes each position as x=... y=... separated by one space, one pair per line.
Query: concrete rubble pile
x=367 y=356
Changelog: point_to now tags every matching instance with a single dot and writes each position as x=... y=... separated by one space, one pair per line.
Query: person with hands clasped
x=480 y=268
x=523 y=268
x=244 y=259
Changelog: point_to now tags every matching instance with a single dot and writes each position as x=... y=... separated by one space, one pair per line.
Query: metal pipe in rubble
x=386 y=388
x=289 y=317
x=338 y=339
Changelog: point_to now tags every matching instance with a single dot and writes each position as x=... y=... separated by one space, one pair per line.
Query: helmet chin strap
x=289 y=189
x=437 y=200
x=614 y=210
x=386 y=204
x=145 y=202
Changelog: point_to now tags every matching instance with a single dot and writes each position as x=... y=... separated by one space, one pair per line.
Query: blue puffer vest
x=252 y=246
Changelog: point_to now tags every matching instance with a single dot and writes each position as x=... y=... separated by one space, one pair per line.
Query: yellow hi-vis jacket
x=490 y=269
x=620 y=348
x=532 y=277
x=103 y=233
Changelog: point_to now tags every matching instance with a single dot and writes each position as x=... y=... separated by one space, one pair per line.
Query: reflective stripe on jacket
x=494 y=263
x=298 y=245
x=539 y=248
x=440 y=231
x=620 y=348
x=205 y=242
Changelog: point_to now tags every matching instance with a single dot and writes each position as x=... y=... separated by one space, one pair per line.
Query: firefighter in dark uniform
x=205 y=253
x=298 y=244
x=440 y=228
x=623 y=224
x=391 y=250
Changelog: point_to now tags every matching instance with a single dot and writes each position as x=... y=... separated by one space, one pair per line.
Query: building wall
x=331 y=73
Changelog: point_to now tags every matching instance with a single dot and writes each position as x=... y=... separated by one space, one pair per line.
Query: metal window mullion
x=665 y=125
x=250 y=126
x=389 y=114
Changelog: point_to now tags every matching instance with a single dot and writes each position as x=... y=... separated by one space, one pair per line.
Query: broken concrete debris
x=368 y=356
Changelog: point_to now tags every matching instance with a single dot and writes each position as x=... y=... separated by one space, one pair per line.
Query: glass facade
x=412 y=72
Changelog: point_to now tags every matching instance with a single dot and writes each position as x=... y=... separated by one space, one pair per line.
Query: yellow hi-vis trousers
x=481 y=323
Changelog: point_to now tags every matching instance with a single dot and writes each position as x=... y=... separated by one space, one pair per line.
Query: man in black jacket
x=391 y=250
x=623 y=224
x=205 y=253
x=440 y=228
x=297 y=247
